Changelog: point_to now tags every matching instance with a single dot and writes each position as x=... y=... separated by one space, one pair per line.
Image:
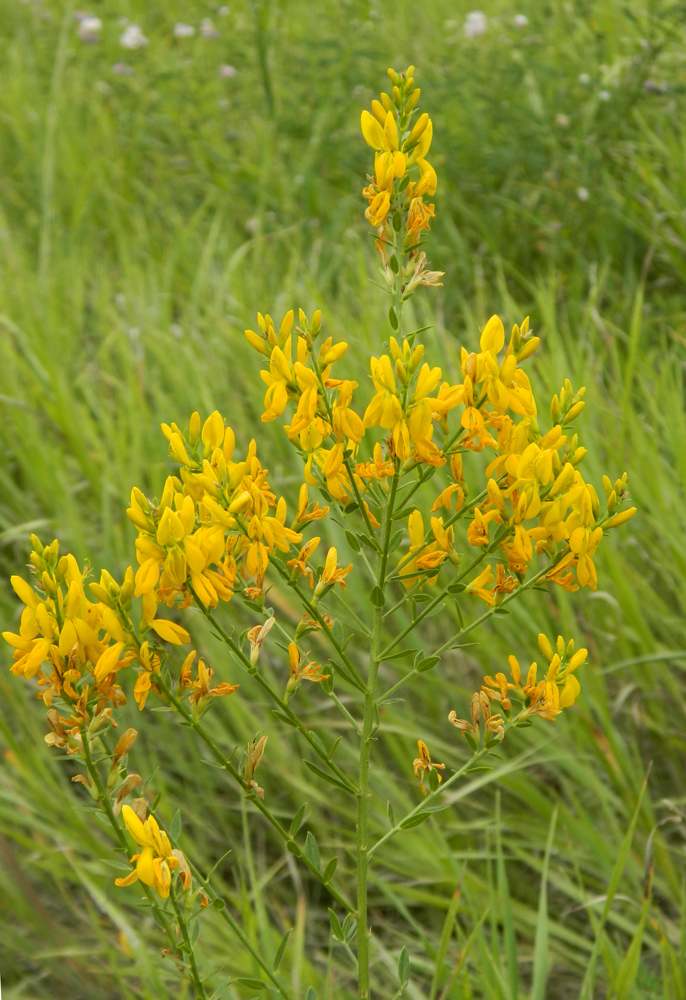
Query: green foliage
x=143 y=220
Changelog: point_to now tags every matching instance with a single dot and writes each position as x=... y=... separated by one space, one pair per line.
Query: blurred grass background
x=150 y=202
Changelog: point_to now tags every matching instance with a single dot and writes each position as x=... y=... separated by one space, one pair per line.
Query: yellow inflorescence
x=218 y=527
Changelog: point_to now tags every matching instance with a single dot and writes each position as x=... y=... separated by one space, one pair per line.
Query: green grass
x=143 y=221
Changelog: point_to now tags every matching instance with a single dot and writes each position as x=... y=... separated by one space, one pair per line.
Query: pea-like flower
x=156 y=860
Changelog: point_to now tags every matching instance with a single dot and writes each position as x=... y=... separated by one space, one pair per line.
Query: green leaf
x=312 y=851
x=587 y=987
x=293 y=848
x=336 y=928
x=349 y=928
x=435 y=611
x=282 y=718
x=296 y=822
x=505 y=906
x=337 y=631
x=426 y=663
x=310 y=995
x=254 y=984
x=330 y=870
x=541 y=956
x=218 y=903
x=415 y=820
x=352 y=541
x=395 y=540
x=471 y=741
x=433 y=779
x=377 y=597
x=281 y=949
x=456 y=588
x=393 y=318
x=393 y=262
x=446 y=934
x=390 y=814
x=628 y=970
x=404 y=966
x=118 y=866
x=330 y=778
x=175 y=826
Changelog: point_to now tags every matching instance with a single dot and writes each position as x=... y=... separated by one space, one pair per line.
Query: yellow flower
x=332 y=573
x=200 y=689
x=424 y=765
x=298 y=565
x=300 y=670
x=156 y=861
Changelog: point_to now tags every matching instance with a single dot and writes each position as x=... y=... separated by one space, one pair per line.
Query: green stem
x=274 y=695
x=365 y=750
x=316 y=615
x=225 y=762
x=432 y=796
x=191 y=968
x=236 y=928
x=330 y=694
x=428 y=538
x=106 y=806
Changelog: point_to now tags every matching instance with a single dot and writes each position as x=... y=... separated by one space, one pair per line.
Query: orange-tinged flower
x=424 y=765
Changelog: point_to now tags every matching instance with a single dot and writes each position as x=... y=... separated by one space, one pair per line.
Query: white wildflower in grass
x=604 y=95
x=122 y=69
x=207 y=29
x=582 y=194
x=562 y=121
x=584 y=78
x=475 y=24
x=520 y=20
x=89 y=29
x=227 y=72
x=183 y=30
x=133 y=38
x=223 y=11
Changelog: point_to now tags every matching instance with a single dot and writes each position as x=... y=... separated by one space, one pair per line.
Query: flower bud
x=545 y=647
x=621 y=518
x=411 y=101
x=194 y=427
x=528 y=349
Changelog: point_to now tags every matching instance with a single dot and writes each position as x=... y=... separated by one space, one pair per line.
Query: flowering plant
x=219 y=533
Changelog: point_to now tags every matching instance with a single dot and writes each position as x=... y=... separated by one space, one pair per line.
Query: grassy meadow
x=151 y=201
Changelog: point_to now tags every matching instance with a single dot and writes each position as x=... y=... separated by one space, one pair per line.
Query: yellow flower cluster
x=156 y=860
x=395 y=192
x=544 y=698
x=69 y=643
x=534 y=477
x=218 y=527
x=397 y=148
